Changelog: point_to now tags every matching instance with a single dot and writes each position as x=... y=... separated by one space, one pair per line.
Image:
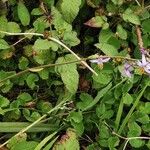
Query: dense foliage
x=48 y=89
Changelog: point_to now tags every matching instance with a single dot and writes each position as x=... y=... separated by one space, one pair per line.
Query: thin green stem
x=36 y=68
x=131 y=110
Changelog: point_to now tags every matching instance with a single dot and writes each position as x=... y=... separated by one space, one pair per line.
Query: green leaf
x=70 y=38
x=100 y=110
x=17 y=139
x=134 y=129
x=40 y=25
x=41 y=44
x=103 y=132
x=59 y=23
x=68 y=141
x=105 y=35
x=121 y=32
x=127 y=99
x=79 y=127
x=107 y=49
x=44 y=74
x=96 y=22
x=68 y=72
x=3 y=25
x=76 y=116
x=113 y=142
x=103 y=77
x=4 y=102
x=31 y=79
x=23 y=63
x=28 y=145
x=36 y=12
x=129 y=16
x=23 y=14
x=140 y=116
x=86 y=100
x=24 y=97
x=13 y=27
x=145 y=25
x=44 y=106
x=70 y=9
x=118 y=2
x=145 y=109
x=3 y=44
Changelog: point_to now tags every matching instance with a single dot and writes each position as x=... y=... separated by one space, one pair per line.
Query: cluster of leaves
x=97 y=105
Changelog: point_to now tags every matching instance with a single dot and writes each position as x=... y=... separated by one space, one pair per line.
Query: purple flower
x=127 y=70
x=100 y=61
x=143 y=50
x=144 y=64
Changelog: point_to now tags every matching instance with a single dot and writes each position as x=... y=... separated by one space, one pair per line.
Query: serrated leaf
x=3 y=25
x=70 y=38
x=76 y=116
x=68 y=72
x=70 y=79
x=68 y=141
x=127 y=99
x=145 y=25
x=40 y=25
x=23 y=63
x=59 y=23
x=41 y=44
x=113 y=142
x=86 y=100
x=3 y=44
x=105 y=35
x=129 y=16
x=102 y=78
x=23 y=14
x=107 y=49
x=4 y=102
x=24 y=97
x=70 y=9
x=13 y=27
x=44 y=74
x=121 y=32
x=31 y=79
x=36 y=12
x=134 y=129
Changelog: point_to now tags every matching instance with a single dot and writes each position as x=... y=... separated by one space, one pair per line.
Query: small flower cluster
x=128 y=68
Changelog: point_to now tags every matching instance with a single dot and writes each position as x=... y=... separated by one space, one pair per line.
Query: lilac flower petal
x=139 y=63
x=105 y=59
x=144 y=64
x=94 y=61
x=128 y=73
x=100 y=60
x=143 y=60
x=127 y=70
x=147 y=68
